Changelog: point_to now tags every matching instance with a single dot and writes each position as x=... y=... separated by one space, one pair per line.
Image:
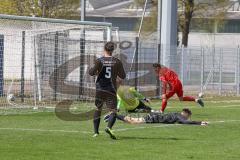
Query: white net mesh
x=32 y=51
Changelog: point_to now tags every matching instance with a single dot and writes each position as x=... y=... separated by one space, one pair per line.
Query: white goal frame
x=108 y=35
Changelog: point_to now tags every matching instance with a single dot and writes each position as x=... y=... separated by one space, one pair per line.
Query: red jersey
x=168 y=76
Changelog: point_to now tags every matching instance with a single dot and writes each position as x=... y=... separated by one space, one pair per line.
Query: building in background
x=126 y=15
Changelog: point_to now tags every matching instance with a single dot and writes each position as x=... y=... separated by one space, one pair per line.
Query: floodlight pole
x=169 y=33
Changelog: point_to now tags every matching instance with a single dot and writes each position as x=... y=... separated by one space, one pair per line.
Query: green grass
x=42 y=136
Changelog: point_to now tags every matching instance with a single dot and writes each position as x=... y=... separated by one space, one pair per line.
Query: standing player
x=169 y=77
x=108 y=69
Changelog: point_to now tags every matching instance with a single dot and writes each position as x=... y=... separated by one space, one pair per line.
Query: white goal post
x=32 y=48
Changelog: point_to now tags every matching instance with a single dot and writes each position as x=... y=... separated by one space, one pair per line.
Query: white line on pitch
x=169 y=125
x=118 y=130
x=225 y=106
x=220 y=101
x=46 y=130
x=145 y=127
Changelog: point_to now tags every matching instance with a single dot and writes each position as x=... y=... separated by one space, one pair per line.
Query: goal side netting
x=44 y=61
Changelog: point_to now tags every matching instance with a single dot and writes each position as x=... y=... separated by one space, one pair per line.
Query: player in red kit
x=170 y=78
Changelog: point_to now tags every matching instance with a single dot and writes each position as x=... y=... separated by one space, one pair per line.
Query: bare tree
x=209 y=12
x=188 y=9
x=185 y=19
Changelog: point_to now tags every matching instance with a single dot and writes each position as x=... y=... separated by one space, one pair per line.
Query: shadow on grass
x=153 y=138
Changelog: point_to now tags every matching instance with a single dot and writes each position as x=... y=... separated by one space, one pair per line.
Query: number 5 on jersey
x=108 y=73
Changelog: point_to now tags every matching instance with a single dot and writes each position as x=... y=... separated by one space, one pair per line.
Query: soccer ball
x=201 y=95
x=10 y=97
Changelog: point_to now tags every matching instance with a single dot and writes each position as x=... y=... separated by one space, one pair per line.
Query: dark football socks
x=111 y=120
x=96 y=121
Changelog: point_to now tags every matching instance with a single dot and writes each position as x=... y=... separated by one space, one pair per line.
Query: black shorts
x=107 y=97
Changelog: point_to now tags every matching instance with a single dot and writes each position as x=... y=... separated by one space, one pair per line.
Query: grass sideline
x=42 y=135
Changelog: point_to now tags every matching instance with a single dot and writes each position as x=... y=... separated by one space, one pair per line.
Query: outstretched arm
x=189 y=122
x=138 y=95
x=130 y=120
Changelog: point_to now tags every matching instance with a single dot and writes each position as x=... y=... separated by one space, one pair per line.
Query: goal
x=44 y=61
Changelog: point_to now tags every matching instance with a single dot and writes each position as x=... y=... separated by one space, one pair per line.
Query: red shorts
x=175 y=87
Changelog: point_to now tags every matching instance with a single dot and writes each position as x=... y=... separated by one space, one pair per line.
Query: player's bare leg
x=192 y=99
x=164 y=103
x=165 y=98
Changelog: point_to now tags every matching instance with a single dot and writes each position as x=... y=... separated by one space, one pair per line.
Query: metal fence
x=211 y=70
x=30 y=57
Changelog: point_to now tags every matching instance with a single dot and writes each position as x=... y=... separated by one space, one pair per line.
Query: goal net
x=45 y=61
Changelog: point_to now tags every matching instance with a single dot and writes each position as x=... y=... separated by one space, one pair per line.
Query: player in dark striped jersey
x=169 y=118
x=107 y=69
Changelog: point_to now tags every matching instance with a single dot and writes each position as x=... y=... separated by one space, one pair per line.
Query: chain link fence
x=211 y=70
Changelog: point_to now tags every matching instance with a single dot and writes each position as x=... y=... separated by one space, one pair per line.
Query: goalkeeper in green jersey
x=131 y=100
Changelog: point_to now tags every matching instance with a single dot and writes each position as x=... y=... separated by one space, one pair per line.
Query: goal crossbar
x=51 y=20
x=61 y=21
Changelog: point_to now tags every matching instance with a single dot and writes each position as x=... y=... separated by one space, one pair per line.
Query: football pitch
x=42 y=136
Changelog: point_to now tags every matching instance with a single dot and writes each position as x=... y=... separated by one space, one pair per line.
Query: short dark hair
x=188 y=111
x=156 y=65
x=109 y=47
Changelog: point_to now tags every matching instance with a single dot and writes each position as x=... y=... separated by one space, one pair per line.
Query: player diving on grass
x=107 y=69
x=170 y=78
x=169 y=118
x=130 y=100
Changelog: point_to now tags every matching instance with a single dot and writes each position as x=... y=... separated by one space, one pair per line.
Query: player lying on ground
x=107 y=69
x=170 y=78
x=131 y=100
x=157 y=117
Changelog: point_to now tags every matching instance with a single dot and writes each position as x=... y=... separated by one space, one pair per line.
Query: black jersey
x=107 y=69
x=169 y=118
